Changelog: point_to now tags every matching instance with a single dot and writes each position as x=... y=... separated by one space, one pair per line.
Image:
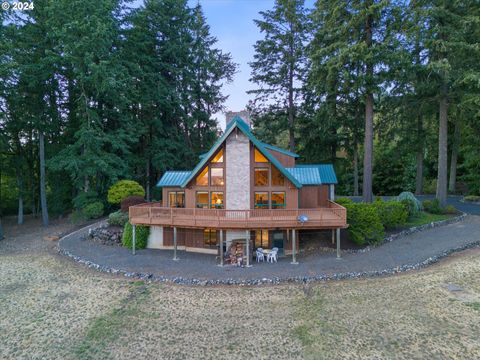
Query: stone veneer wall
x=237 y=177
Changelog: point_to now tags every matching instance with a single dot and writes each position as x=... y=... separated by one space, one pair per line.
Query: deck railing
x=152 y=214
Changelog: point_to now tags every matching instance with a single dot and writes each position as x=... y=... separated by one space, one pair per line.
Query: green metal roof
x=314 y=174
x=173 y=178
x=237 y=122
x=280 y=150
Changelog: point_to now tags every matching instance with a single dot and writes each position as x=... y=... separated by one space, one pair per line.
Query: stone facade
x=237 y=177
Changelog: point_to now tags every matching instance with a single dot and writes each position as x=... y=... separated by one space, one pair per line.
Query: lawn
x=426 y=218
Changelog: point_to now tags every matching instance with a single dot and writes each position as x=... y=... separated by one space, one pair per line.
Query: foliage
x=450 y=209
x=84 y=198
x=118 y=218
x=123 y=189
x=93 y=210
x=472 y=198
x=131 y=201
x=365 y=225
x=423 y=218
x=433 y=206
x=414 y=205
x=141 y=236
x=392 y=213
x=430 y=187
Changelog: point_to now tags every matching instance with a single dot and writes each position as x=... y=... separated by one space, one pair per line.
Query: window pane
x=261 y=200
x=172 y=199
x=180 y=199
x=259 y=157
x=218 y=158
x=217 y=176
x=210 y=237
x=217 y=200
x=202 y=199
x=202 y=178
x=277 y=177
x=261 y=239
x=278 y=200
x=261 y=177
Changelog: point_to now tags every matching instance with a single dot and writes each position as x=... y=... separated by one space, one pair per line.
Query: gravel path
x=404 y=252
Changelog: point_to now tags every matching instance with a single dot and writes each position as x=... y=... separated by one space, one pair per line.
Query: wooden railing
x=332 y=216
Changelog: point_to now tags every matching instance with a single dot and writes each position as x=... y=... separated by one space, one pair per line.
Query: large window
x=217 y=176
x=210 y=237
x=261 y=200
x=219 y=157
x=202 y=178
x=202 y=199
x=278 y=200
x=277 y=177
x=261 y=239
x=176 y=199
x=261 y=177
x=216 y=200
x=259 y=157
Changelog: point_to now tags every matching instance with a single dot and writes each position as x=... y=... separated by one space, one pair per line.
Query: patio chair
x=272 y=256
x=259 y=254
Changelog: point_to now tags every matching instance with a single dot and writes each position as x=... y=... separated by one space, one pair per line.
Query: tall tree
x=280 y=62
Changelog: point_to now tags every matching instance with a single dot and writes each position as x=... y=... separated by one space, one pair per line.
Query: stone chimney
x=244 y=114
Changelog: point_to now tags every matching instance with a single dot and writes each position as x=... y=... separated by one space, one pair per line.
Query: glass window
x=259 y=157
x=261 y=239
x=202 y=199
x=176 y=199
x=202 y=178
x=278 y=200
x=277 y=177
x=210 y=237
x=261 y=200
x=216 y=200
x=217 y=176
x=261 y=177
x=219 y=157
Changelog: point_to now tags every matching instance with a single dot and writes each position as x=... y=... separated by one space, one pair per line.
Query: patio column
x=175 y=243
x=333 y=236
x=221 y=247
x=339 y=256
x=247 y=239
x=294 y=247
x=134 y=230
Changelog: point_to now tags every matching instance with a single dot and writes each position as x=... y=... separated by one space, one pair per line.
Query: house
x=242 y=188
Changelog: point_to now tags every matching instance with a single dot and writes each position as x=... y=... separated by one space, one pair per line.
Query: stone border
x=278 y=280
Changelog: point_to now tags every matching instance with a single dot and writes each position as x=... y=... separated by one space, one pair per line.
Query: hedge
x=93 y=210
x=141 y=236
x=118 y=218
x=123 y=189
x=392 y=213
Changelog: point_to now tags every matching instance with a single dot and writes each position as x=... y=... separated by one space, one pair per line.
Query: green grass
x=426 y=218
x=474 y=305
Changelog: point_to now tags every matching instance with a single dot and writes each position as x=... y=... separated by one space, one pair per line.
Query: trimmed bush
x=432 y=206
x=131 y=201
x=344 y=201
x=414 y=205
x=123 y=189
x=450 y=209
x=141 y=236
x=364 y=223
x=118 y=218
x=93 y=210
x=392 y=213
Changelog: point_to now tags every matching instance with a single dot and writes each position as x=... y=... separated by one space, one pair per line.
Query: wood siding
x=313 y=196
x=285 y=160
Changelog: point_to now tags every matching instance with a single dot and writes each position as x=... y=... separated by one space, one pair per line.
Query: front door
x=278 y=238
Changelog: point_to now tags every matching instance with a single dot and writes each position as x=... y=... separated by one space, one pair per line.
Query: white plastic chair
x=260 y=255
x=272 y=256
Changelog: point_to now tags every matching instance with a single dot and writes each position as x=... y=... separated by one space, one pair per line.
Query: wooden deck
x=333 y=216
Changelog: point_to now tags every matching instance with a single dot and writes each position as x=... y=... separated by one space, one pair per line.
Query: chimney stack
x=244 y=114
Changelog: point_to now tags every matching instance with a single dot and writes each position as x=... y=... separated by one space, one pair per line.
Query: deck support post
x=333 y=236
x=339 y=255
x=294 y=247
x=221 y=247
x=247 y=245
x=134 y=233
x=175 y=243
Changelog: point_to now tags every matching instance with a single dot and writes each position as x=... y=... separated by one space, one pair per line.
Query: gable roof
x=173 y=178
x=314 y=174
x=237 y=122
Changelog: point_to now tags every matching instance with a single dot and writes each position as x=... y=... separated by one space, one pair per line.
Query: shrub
x=118 y=218
x=450 y=209
x=392 y=213
x=414 y=205
x=122 y=189
x=141 y=236
x=344 y=201
x=430 y=187
x=472 y=198
x=85 y=198
x=131 y=201
x=364 y=223
x=93 y=210
x=432 y=206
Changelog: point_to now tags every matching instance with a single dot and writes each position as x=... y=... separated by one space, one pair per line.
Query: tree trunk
x=43 y=194
x=147 y=185
x=442 y=148
x=1 y=228
x=420 y=155
x=453 y=161
x=355 y=170
x=291 y=116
